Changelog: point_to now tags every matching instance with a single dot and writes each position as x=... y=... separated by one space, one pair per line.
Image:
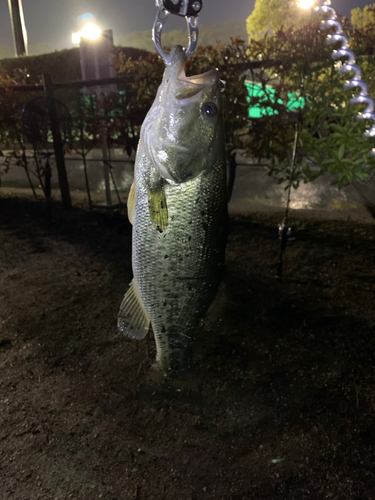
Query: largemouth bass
x=178 y=207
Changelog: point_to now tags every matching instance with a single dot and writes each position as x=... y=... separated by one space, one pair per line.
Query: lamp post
x=95 y=49
x=18 y=27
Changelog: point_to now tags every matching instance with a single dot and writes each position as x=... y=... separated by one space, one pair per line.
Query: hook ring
x=160 y=20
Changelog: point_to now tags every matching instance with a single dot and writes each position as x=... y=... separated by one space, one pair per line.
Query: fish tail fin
x=133 y=321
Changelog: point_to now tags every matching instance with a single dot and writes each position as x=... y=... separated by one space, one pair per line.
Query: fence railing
x=89 y=127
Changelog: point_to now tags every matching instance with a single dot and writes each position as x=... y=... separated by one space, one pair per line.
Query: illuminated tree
x=270 y=15
x=361 y=18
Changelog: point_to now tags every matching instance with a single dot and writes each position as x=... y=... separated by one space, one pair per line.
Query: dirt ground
x=286 y=408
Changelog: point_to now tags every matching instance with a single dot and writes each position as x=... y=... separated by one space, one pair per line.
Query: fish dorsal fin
x=133 y=321
x=157 y=204
x=131 y=203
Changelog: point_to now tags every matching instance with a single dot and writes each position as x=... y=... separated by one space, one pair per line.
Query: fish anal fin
x=133 y=321
x=157 y=204
x=131 y=204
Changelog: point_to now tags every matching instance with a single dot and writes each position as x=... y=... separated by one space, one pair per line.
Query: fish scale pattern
x=178 y=271
x=180 y=212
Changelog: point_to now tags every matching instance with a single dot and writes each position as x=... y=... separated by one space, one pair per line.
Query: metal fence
x=75 y=127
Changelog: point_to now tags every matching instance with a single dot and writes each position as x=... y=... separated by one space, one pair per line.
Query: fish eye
x=210 y=109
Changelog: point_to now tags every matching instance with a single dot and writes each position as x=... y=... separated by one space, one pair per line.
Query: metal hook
x=160 y=20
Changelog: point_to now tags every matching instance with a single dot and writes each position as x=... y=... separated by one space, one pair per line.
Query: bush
x=63 y=65
x=330 y=138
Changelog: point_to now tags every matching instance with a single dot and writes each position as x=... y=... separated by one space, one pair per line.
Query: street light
x=306 y=4
x=90 y=31
x=95 y=53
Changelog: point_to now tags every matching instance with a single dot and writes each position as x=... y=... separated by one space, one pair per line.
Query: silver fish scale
x=178 y=271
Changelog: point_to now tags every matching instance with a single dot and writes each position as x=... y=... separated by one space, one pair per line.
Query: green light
x=262 y=95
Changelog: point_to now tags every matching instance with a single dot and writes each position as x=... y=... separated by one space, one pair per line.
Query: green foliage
x=94 y=119
x=269 y=16
x=289 y=60
x=360 y=18
x=117 y=117
x=147 y=74
x=63 y=65
x=362 y=39
x=293 y=62
x=13 y=143
x=330 y=137
x=11 y=104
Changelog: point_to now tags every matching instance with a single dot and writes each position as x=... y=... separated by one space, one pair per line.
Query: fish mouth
x=170 y=144
x=194 y=85
x=207 y=78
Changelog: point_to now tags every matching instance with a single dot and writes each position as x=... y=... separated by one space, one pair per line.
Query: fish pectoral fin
x=133 y=321
x=157 y=204
x=131 y=203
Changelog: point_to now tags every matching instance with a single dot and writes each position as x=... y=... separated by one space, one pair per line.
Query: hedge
x=63 y=65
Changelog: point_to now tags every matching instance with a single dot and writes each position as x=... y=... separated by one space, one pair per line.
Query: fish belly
x=177 y=271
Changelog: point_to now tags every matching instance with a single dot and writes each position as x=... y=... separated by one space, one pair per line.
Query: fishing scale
x=189 y=9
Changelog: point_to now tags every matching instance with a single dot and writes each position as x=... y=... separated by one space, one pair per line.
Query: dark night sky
x=52 y=22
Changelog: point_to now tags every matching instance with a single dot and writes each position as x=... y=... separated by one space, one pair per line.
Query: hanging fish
x=178 y=208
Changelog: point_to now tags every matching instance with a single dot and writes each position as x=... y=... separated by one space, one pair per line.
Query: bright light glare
x=306 y=4
x=76 y=37
x=90 y=31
